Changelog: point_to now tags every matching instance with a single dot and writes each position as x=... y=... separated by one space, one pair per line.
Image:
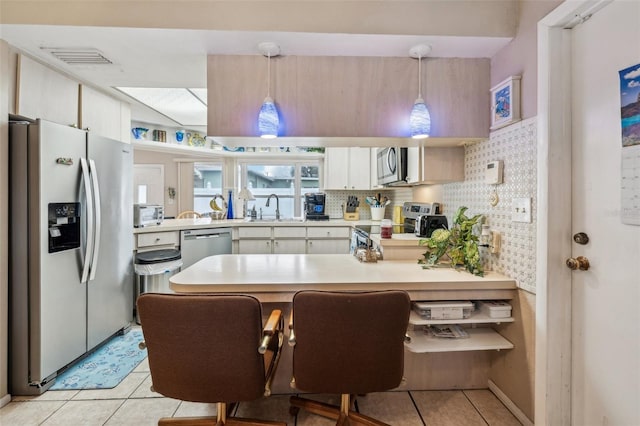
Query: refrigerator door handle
x=98 y=224
x=88 y=253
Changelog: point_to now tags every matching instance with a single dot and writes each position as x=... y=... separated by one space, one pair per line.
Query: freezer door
x=46 y=287
x=110 y=292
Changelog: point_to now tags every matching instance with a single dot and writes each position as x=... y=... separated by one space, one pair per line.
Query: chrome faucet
x=277 y=205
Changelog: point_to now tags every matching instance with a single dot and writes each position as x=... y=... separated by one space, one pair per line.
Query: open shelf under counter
x=476 y=317
x=480 y=339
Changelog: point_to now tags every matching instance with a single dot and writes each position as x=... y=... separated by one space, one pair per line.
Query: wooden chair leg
x=315 y=407
x=190 y=421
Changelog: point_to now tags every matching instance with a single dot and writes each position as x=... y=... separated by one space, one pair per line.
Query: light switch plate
x=521 y=210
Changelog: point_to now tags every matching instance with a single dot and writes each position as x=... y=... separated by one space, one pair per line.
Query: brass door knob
x=579 y=262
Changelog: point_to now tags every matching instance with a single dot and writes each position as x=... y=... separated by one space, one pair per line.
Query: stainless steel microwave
x=147 y=215
x=392 y=166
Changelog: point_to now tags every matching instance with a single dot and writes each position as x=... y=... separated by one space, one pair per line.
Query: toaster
x=427 y=223
x=147 y=215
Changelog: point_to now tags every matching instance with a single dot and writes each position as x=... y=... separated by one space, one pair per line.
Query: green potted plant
x=457 y=246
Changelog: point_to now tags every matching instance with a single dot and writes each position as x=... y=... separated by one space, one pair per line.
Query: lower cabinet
x=294 y=240
x=319 y=246
x=254 y=246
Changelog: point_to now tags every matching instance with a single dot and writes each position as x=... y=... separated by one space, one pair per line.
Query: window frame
x=297 y=178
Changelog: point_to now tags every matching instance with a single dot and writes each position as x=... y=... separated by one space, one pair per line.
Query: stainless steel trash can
x=153 y=269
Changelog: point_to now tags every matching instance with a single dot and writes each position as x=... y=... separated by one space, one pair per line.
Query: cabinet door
x=254 y=247
x=101 y=114
x=329 y=232
x=340 y=246
x=359 y=164
x=289 y=246
x=414 y=162
x=336 y=168
x=441 y=165
x=373 y=163
x=44 y=93
x=254 y=232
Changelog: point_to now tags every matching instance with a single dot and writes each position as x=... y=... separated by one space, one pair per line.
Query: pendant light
x=268 y=120
x=420 y=119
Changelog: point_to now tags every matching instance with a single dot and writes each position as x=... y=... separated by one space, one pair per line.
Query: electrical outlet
x=521 y=210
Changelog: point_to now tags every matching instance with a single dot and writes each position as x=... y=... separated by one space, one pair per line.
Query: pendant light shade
x=268 y=118
x=420 y=119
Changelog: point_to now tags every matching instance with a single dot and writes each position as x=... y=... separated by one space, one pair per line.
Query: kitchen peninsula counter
x=276 y=277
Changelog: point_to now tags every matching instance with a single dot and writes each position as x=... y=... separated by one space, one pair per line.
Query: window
x=207 y=182
x=288 y=181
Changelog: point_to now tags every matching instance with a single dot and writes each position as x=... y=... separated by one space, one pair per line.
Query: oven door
x=359 y=239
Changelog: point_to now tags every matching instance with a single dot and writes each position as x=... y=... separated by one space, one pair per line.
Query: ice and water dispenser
x=64 y=226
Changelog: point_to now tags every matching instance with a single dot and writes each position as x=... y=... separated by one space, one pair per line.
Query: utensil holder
x=377 y=212
x=352 y=215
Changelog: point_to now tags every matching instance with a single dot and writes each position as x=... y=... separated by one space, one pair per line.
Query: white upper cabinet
x=347 y=168
x=104 y=115
x=45 y=93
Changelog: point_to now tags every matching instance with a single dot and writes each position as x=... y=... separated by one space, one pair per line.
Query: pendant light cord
x=269 y=75
x=419 y=77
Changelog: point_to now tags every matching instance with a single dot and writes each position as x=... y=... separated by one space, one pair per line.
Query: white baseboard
x=509 y=404
x=5 y=400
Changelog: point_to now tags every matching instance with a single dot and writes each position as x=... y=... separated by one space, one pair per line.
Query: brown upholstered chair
x=347 y=343
x=210 y=348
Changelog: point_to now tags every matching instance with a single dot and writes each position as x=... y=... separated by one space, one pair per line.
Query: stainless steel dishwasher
x=196 y=244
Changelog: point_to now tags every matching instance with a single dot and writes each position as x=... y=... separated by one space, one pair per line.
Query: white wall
x=4 y=219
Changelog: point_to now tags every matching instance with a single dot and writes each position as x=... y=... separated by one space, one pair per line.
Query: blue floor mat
x=106 y=367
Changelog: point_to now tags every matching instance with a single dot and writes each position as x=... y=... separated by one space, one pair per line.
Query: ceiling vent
x=78 y=55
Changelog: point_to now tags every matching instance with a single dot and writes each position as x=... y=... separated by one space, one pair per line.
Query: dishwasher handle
x=205 y=236
x=202 y=237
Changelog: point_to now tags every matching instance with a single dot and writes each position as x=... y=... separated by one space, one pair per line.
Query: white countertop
x=288 y=273
x=180 y=224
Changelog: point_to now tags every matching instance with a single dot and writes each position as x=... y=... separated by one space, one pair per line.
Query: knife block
x=351 y=215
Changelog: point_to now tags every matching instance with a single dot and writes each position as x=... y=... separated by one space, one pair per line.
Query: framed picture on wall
x=505 y=102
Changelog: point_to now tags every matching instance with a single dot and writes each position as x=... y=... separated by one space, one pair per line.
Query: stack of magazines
x=451 y=331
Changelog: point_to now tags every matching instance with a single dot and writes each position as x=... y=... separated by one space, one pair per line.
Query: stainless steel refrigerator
x=71 y=219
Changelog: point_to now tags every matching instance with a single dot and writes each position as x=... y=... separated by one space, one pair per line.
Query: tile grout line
x=474 y=407
x=415 y=405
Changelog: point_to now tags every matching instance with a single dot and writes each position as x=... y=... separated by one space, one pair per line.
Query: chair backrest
x=203 y=348
x=349 y=342
x=189 y=214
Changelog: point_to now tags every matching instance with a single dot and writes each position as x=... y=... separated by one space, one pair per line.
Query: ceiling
x=177 y=57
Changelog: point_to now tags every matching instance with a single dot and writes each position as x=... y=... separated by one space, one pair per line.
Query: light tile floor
x=132 y=403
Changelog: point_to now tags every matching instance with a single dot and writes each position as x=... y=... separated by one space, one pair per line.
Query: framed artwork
x=505 y=102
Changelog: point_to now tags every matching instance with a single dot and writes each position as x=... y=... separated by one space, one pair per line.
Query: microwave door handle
x=392 y=164
x=88 y=252
x=98 y=226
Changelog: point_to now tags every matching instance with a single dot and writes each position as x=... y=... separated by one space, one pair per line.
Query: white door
x=587 y=322
x=606 y=298
x=148 y=184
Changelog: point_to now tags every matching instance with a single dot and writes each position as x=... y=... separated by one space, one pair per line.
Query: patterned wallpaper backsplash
x=336 y=199
x=516 y=147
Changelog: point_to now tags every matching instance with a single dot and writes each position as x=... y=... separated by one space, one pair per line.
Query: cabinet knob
x=157 y=239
